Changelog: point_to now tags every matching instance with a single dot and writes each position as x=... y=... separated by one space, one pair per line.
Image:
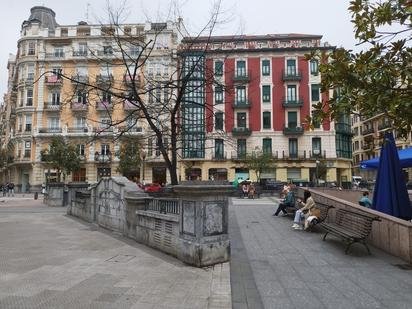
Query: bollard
x=36 y=195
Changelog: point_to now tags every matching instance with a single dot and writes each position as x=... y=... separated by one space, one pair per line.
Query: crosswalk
x=263 y=201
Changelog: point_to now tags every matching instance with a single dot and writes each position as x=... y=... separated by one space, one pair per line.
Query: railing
x=53 y=80
x=80 y=79
x=128 y=79
x=241 y=104
x=384 y=125
x=59 y=55
x=78 y=130
x=241 y=77
x=238 y=156
x=128 y=105
x=241 y=131
x=50 y=130
x=368 y=131
x=219 y=156
x=79 y=53
x=49 y=106
x=103 y=158
x=165 y=206
x=104 y=105
x=103 y=129
x=292 y=102
x=102 y=53
x=78 y=106
x=291 y=75
x=293 y=130
x=104 y=78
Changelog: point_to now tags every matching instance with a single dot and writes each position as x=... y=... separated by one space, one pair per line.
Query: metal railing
x=166 y=206
x=50 y=130
x=241 y=104
x=291 y=75
x=292 y=102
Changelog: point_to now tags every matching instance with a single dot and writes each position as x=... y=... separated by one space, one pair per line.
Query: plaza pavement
x=274 y=266
x=50 y=260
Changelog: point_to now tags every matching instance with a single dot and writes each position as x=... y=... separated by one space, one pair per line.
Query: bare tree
x=165 y=99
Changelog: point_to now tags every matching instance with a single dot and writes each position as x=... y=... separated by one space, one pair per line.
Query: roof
x=230 y=38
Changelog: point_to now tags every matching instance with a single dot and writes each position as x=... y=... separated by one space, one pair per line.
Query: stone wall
x=391 y=234
x=54 y=196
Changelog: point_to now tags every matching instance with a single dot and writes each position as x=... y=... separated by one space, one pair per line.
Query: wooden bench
x=351 y=227
x=324 y=210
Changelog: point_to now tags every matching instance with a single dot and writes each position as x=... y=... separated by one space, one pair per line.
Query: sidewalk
x=295 y=269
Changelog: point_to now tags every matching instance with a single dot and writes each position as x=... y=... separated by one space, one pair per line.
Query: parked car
x=272 y=185
x=152 y=187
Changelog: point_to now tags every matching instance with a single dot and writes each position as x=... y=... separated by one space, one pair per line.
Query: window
x=241 y=68
x=267 y=146
x=21 y=96
x=29 y=97
x=266 y=120
x=54 y=123
x=291 y=93
x=292 y=119
x=59 y=52
x=218 y=121
x=28 y=123
x=315 y=121
x=134 y=51
x=316 y=146
x=107 y=50
x=105 y=149
x=81 y=96
x=81 y=71
x=315 y=92
x=219 y=150
x=241 y=94
x=241 y=120
x=265 y=67
x=55 y=98
x=57 y=72
x=293 y=148
x=19 y=123
x=79 y=175
x=219 y=68
x=218 y=94
x=150 y=147
x=81 y=150
x=107 y=97
x=293 y=173
x=291 y=67
x=241 y=148
x=266 y=94
x=314 y=67
x=32 y=49
x=27 y=149
x=82 y=49
x=81 y=122
x=30 y=71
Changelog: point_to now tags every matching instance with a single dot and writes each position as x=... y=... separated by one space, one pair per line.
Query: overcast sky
x=329 y=18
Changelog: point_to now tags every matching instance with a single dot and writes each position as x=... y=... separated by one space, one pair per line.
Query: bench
x=351 y=227
x=324 y=210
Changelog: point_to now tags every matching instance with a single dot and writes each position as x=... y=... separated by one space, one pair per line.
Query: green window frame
x=241 y=68
x=292 y=119
x=218 y=68
x=291 y=67
x=241 y=148
x=292 y=93
x=218 y=94
x=316 y=146
x=266 y=120
x=219 y=121
x=265 y=67
x=266 y=94
x=267 y=145
x=219 y=149
x=241 y=120
x=315 y=92
x=315 y=122
x=314 y=67
x=293 y=147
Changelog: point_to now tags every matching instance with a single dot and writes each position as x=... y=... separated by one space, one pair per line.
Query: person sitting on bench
x=308 y=209
x=289 y=201
x=365 y=201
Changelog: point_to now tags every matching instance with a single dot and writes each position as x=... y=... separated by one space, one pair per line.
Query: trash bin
x=36 y=195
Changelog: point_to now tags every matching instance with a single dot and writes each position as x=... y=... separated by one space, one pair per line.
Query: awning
x=405 y=158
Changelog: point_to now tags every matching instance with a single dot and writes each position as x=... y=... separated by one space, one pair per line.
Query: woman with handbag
x=308 y=209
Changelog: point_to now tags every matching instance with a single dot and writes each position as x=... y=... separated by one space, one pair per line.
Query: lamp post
x=317 y=173
x=143 y=157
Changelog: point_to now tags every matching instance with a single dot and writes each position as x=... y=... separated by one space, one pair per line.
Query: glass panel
x=219 y=152
x=292 y=119
x=219 y=121
x=293 y=147
x=314 y=67
x=241 y=94
x=315 y=92
x=265 y=67
x=241 y=68
x=241 y=148
x=291 y=93
x=241 y=120
x=266 y=94
x=266 y=120
x=291 y=67
x=267 y=145
x=218 y=68
x=218 y=94
x=316 y=146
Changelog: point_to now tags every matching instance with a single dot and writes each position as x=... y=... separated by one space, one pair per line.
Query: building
x=367 y=140
x=41 y=104
x=263 y=90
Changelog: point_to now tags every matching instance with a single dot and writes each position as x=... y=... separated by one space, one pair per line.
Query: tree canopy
x=259 y=161
x=129 y=162
x=378 y=79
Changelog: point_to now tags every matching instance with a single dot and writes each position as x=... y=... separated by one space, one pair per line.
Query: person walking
x=11 y=189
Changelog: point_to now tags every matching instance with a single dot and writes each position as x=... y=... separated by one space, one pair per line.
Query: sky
x=329 y=18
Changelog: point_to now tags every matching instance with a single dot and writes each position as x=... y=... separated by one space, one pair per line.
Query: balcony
x=238 y=156
x=241 y=104
x=129 y=106
x=368 y=131
x=51 y=107
x=103 y=158
x=105 y=54
x=241 y=77
x=26 y=82
x=367 y=146
x=104 y=79
x=50 y=130
x=105 y=129
x=219 y=156
x=291 y=75
x=82 y=79
x=104 y=106
x=79 y=107
x=80 y=53
x=55 y=56
x=131 y=80
x=53 y=80
x=78 y=130
x=384 y=125
x=343 y=128
x=292 y=130
x=317 y=154
x=292 y=102
x=241 y=131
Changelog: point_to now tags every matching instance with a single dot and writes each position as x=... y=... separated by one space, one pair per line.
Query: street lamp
x=317 y=173
x=143 y=156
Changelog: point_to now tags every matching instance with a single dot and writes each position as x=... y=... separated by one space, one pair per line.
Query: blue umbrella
x=390 y=195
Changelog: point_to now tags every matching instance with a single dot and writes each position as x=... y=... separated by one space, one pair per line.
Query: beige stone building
x=40 y=103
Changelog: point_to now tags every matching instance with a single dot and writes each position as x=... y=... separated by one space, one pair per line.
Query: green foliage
x=129 y=158
x=61 y=156
x=259 y=162
x=377 y=80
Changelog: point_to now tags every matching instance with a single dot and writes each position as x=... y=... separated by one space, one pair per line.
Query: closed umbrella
x=390 y=195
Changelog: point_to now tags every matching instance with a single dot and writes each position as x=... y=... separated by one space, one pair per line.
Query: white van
x=356 y=180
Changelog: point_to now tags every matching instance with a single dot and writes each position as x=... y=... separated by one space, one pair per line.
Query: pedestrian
x=11 y=189
x=365 y=201
x=6 y=189
x=308 y=209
